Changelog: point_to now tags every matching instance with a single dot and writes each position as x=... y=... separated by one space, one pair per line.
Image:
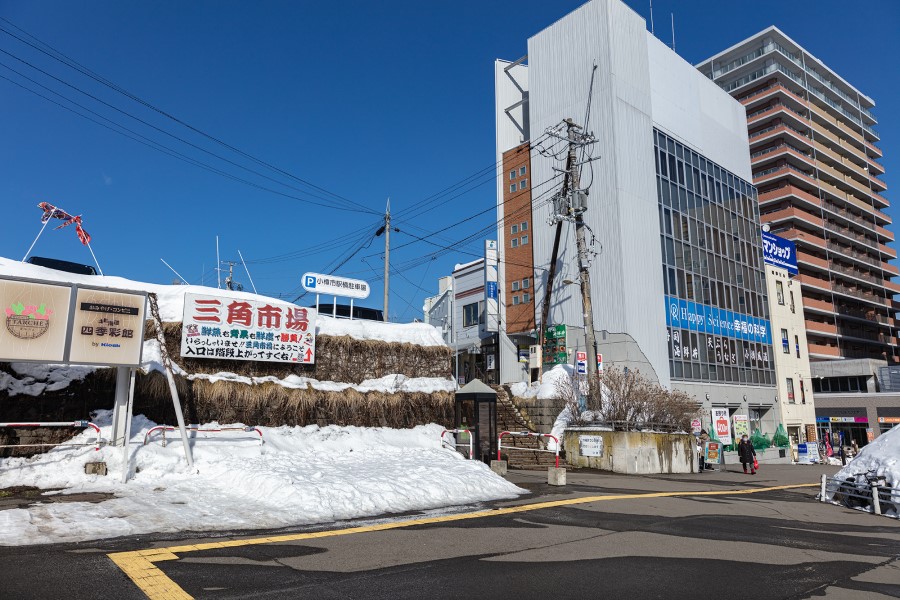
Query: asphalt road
x=686 y=544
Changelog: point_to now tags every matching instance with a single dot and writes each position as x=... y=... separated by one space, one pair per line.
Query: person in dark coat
x=746 y=453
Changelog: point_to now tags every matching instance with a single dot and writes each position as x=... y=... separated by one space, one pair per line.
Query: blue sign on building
x=779 y=252
x=491 y=290
x=694 y=316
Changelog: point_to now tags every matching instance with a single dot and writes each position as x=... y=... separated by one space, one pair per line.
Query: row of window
x=779 y=292
x=523 y=299
x=522 y=171
x=514 y=229
x=516 y=242
x=791 y=398
x=786 y=344
x=832 y=385
x=522 y=185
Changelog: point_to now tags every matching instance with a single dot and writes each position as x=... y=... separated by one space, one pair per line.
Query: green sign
x=555 y=351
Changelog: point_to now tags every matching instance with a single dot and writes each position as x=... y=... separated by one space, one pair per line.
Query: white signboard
x=238 y=329
x=808 y=453
x=491 y=287
x=591 y=445
x=107 y=328
x=722 y=425
x=332 y=285
x=35 y=320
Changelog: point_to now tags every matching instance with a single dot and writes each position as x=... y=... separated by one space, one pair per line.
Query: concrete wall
x=635 y=453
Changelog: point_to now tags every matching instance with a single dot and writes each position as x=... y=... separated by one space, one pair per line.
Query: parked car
x=62 y=265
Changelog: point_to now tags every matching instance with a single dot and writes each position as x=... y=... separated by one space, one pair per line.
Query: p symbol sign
x=310 y=281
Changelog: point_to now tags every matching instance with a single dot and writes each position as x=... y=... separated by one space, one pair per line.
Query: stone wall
x=634 y=452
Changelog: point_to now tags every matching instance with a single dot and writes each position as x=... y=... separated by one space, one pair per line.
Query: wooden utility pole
x=387 y=258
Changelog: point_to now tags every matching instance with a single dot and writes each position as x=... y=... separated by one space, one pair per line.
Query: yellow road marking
x=139 y=565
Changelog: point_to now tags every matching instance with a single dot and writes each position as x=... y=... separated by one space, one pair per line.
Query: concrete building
x=817 y=169
x=437 y=309
x=678 y=281
x=796 y=404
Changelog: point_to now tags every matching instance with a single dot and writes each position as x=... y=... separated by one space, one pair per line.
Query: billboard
x=237 y=329
x=491 y=299
x=694 y=316
x=779 y=252
x=35 y=320
x=332 y=285
x=107 y=327
x=722 y=425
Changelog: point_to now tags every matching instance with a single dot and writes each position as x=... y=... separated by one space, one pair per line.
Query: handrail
x=527 y=434
x=165 y=428
x=455 y=445
x=97 y=442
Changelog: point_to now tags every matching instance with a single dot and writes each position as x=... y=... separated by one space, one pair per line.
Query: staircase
x=510 y=419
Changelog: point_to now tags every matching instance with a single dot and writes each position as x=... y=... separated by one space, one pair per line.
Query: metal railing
x=860 y=495
x=196 y=428
x=503 y=434
x=83 y=424
x=454 y=445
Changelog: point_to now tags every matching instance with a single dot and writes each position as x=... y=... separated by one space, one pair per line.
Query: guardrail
x=853 y=493
x=165 y=428
x=97 y=442
x=454 y=445
x=503 y=434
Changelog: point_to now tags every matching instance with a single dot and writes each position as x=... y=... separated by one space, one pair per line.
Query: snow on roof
x=171 y=305
x=460 y=267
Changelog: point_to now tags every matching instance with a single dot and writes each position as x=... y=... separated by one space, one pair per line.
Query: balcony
x=823 y=351
x=822 y=285
x=858 y=274
x=819 y=306
x=804 y=237
x=872 y=315
x=791 y=213
x=861 y=294
x=810 y=260
x=824 y=329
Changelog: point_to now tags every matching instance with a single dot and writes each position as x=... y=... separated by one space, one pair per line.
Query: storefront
x=888 y=417
x=851 y=423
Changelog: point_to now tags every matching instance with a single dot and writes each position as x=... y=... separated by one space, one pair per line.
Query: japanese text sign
x=107 y=327
x=722 y=425
x=332 y=285
x=780 y=252
x=238 y=329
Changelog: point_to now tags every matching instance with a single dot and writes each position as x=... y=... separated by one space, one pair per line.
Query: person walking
x=747 y=454
x=701 y=442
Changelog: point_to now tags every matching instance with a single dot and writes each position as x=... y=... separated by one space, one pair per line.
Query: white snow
x=39 y=378
x=171 y=305
x=881 y=455
x=302 y=475
x=548 y=388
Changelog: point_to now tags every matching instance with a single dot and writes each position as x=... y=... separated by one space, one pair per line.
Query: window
x=515 y=300
x=792 y=300
x=790 y=390
x=515 y=242
x=481 y=312
x=515 y=286
x=524 y=239
x=512 y=174
x=512 y=188
x=785 y=344
x=802 y=393
x=797 y=345
x=514 y=229
x=523 y=184
x=470 y=315
x=526 y=283
x=524 y=226
x=522 y=170
x=779 y=291
x=526 y=297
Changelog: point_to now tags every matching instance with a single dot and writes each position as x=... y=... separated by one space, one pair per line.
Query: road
x=714 y=535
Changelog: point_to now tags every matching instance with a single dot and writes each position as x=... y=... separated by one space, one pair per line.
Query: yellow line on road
x=139 y=565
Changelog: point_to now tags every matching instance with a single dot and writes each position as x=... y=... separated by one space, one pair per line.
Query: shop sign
x=741 y=426
x=107 y=327
x=590 y=445
x=713 y=452
x=35 y=320
x=722 y=425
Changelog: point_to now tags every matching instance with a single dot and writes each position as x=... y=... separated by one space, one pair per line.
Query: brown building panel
x=518 y=225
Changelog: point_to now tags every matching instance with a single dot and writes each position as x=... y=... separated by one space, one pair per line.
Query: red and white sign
x=237 y=329
x=581 y=363
x=600 y=363
x=722 y=425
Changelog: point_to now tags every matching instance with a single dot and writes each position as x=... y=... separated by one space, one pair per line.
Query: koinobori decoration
x=230 y=328
x=54 y=212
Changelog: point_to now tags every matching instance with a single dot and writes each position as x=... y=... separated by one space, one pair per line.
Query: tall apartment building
x=817 y=170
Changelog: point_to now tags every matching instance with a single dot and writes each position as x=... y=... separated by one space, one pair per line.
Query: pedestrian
x=854 y=447
x=701 y=442
x=747 y=454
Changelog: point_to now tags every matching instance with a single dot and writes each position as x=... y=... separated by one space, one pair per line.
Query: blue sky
x=364 y=100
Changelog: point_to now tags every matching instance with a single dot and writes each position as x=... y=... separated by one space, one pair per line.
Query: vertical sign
x=581 y=363
x=491 y=290
x=600 y=363
x=107 y=327
x=741 y=426
x=35 y=319
x=722 y=425
x=696 y=426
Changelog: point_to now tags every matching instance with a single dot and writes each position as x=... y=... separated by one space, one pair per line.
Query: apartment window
x=791 y=292
x=515 y=300
x=785 y=344
x=470 y=315
x=522 y=170
x=797 y=345
x=526 y=283
x=514 y=229
x=512 y=188
x=526 y=298
x=790 y=390
x=523 y=184
x=512 y=174
x=524 y=239
x=524 y=226
x=515 y=242
x=515 y=286
x=802 y=393
x=779 y=291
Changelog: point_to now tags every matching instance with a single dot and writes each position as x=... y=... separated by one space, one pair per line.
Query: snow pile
x=881 y=455
x=302 y=475
x=548 y=388
x=171 y=305
x=39 y=378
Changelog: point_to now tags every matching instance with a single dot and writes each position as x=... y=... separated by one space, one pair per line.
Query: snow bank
x=171 y=305
x=303 y=475
x=882 y=455
x=548 y=388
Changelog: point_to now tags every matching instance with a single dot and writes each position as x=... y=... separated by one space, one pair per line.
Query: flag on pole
x=53 y=212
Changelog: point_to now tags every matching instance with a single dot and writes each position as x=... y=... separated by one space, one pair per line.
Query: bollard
x=499 y=467
x=822 y=493
x=876 y=501
x=556 y=475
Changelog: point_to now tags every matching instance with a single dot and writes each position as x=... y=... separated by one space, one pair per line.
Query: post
x=590 y=341
x=334 y=307
x=351 y=309
x=876 y=501
x=822 y=492
x=387 y=259
x=124 y=385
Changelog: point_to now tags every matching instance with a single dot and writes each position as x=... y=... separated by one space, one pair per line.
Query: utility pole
x=387 y=258
x=577 y=206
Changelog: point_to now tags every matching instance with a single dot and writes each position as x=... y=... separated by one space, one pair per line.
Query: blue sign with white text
x=779 y=252
x=491 y=290
x=694 y=316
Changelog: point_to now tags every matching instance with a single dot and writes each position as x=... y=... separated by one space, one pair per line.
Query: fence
x=196 y=428
x=503 y=434
x=84 y=424
x=853 y=493
x=454 y=445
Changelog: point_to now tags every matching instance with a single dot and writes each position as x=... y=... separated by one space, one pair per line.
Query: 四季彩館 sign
x=237 y=329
